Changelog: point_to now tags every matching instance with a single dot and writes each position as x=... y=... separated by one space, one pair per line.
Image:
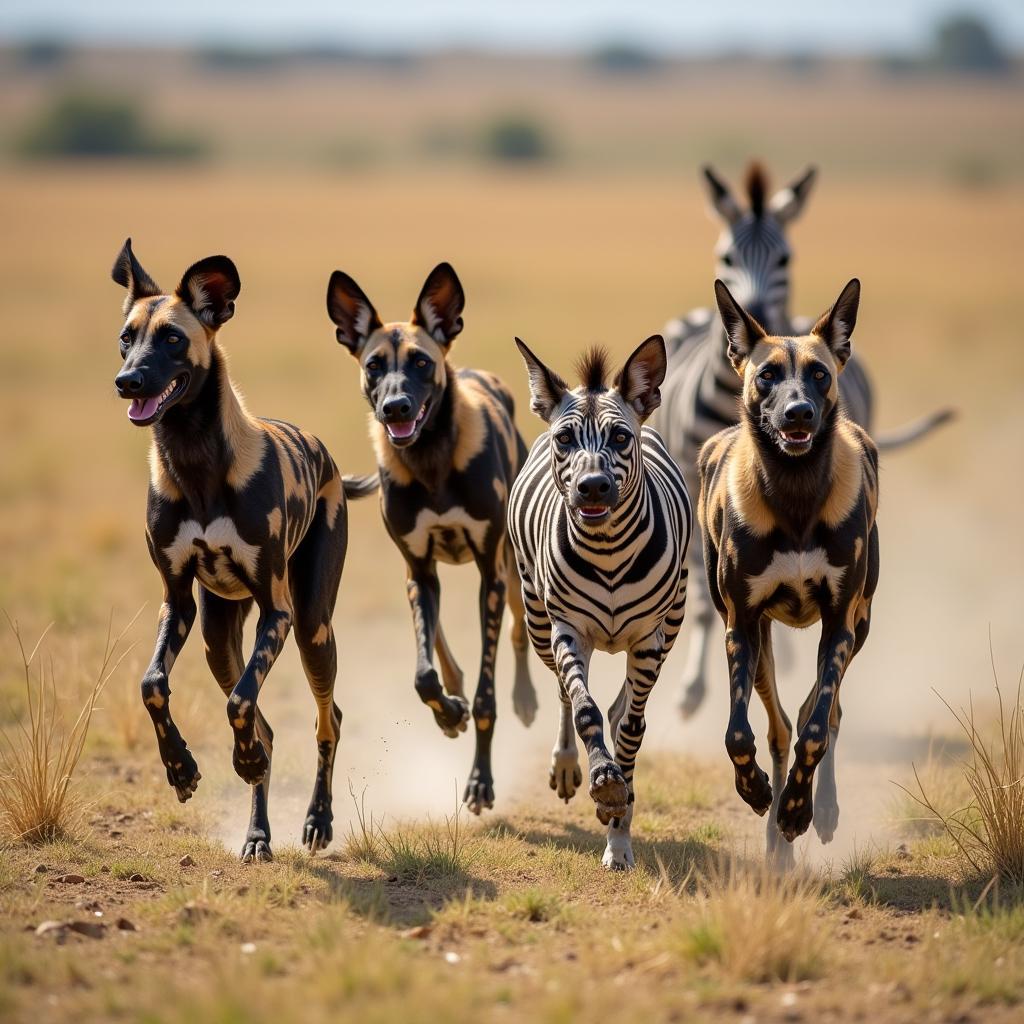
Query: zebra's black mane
x=592 y=368
x=757 y=187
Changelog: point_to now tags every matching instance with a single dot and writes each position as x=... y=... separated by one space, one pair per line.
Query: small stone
x=902 y=853
x=93 y=929
x=216 y=873
x=40 y=869
x=451 y=957
x=854 y=914
x=105 y=869
x=115 y=833
x=248 y=947
x=137 y=877
x=186 y=862
x=124 y=925
x=70 y=879
x=421 y=931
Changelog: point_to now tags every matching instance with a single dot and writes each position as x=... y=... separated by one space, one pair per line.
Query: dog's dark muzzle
x=148 y=401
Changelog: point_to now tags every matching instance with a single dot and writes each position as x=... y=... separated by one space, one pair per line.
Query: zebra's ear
x=788 y=203
x=351 y=312
x=741 y=329
x=835 y=327
x=547 y=389
x=439 y=307
x=721 y=199
x=641 y=378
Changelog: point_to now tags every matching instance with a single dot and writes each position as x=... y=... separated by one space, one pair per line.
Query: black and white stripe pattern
x=701 y=393
x=600 y=521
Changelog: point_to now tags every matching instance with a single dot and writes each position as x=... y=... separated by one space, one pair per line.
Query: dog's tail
x=914 y=431
x=360 y=486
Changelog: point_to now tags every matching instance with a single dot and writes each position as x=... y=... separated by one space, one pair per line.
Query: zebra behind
x=600 y=520
x=701 y=391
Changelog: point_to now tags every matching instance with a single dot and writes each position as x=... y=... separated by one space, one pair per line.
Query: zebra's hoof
x=608 y=791
x=565 y=776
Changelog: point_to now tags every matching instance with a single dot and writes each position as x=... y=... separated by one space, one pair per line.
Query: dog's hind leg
x=315 y=573
x=780 y=733
x=524 y=696
x=222 y=622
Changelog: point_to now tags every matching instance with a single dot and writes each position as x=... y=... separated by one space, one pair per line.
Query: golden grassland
x=515 y=919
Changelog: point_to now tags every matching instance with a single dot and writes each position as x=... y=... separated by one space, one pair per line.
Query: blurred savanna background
x=552 y=156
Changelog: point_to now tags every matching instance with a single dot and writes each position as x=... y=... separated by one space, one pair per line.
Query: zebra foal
x=600 y=520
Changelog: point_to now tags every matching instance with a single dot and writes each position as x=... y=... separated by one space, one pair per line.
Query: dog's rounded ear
x=641 y=378
x=835 y=327
x=439 y=308
x=128 y=273
x=350 y=311
x=547 y=389
x=209 y=288
x=741 y=329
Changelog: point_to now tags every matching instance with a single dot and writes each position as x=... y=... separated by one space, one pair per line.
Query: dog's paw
x=256 y=850
x=795 y=810
x=318 y=831
x=250 y=761
x=451 y=715
x=182 y=772
x=479 y=792
x=565 y=776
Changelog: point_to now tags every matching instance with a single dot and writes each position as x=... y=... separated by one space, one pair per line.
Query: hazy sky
x=836 y=26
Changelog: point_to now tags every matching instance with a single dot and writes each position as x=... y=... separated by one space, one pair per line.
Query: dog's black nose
x=399 y=408
x=594 y=487
x=128 y=382
x=799 y=412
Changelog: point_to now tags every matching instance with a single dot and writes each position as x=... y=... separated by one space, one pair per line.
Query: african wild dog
x=701 y=394
x=600 y=520
x=787 y=509
x=447 y=451
x=253 y=509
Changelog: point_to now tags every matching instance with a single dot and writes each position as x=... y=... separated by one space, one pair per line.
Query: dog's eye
x=372 y=366
x=820 y=374
x=767 y=375
x=421 y=363
x=173 y=339
x=126 y=340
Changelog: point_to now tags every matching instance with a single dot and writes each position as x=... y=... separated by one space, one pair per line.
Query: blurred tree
x=516 y=138
x=88 y=125
x=623 y=58
x=964 y=42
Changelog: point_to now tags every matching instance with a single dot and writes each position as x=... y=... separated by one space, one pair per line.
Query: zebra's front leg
x=607 y=783
x=642 y=669
x=480 y=787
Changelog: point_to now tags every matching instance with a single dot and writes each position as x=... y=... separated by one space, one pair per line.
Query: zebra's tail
x=914 y=431
x=360 y=486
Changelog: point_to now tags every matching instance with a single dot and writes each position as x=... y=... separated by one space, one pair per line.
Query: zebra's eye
x=563 y=437
x=767 y=376
x=620 y=439
x=727 y=259
x=784 y=260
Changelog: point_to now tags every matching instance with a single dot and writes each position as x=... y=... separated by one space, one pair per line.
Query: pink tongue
x=143 y=408
x=402 y=429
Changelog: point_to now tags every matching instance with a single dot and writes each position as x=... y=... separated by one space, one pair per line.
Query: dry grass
x=989 y=829
x=757 y=925
x=39 y=757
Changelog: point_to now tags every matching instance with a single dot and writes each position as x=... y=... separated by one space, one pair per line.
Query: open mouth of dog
x=144 y=411
x=403 y=432
x=796 y=440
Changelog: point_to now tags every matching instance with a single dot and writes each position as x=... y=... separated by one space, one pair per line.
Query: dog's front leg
x=480 y=788
x=742 y=650
x=424 y=592
x=572 y=662
x=834 y=654
x=177 y=613
x=251 y=758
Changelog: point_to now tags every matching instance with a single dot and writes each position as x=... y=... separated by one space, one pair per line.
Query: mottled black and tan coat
x=787 y=507
x=447 y=451
x=253 y=510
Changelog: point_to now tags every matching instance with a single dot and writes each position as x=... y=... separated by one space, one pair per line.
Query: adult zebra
x=600 y=519
x=701 y=391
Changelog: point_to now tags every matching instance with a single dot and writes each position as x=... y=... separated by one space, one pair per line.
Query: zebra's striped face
x=596 y=458
x=753 y=260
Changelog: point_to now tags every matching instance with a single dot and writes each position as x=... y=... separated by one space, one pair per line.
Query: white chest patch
x=797 y=570
x=452 y=532
x=219 y=552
